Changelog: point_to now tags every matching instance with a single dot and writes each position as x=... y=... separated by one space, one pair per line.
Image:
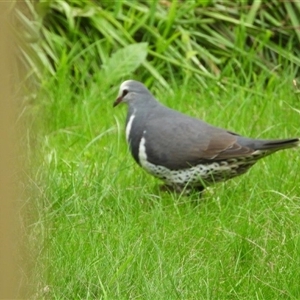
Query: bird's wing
x=177 y=141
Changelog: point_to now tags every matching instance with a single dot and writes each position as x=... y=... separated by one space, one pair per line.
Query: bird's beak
x=118 y=100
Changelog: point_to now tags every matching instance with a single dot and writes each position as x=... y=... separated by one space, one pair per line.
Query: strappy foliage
x=198 y=39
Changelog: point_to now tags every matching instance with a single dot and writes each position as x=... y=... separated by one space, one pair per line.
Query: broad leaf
x=124 y=61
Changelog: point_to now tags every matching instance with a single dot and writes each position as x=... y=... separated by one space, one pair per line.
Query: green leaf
x=124 y=61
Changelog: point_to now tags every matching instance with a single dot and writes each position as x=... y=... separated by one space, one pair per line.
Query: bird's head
x=130 y=92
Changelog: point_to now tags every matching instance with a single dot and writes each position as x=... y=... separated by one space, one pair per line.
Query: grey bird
x=184 y=152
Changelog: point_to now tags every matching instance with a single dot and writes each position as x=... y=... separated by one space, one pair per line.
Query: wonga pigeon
x=186 y=152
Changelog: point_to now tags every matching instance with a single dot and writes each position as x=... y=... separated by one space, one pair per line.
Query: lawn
x=106 y=231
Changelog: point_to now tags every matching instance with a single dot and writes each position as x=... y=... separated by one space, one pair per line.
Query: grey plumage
x=182 y=150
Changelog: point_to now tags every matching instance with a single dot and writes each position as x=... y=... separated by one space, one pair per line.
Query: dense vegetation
x=198 y=39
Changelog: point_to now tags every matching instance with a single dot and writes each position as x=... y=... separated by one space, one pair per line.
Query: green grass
x=108 y=232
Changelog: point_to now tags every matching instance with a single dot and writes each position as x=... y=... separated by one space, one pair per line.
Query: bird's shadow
x=195 y=197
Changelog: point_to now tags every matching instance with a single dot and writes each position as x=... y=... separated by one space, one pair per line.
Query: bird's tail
x=277 y=144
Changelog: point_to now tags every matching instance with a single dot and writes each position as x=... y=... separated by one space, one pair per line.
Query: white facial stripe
x=129 y=125
x=124 y=86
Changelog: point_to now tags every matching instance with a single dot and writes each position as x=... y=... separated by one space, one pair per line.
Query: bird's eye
x=125 y=92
